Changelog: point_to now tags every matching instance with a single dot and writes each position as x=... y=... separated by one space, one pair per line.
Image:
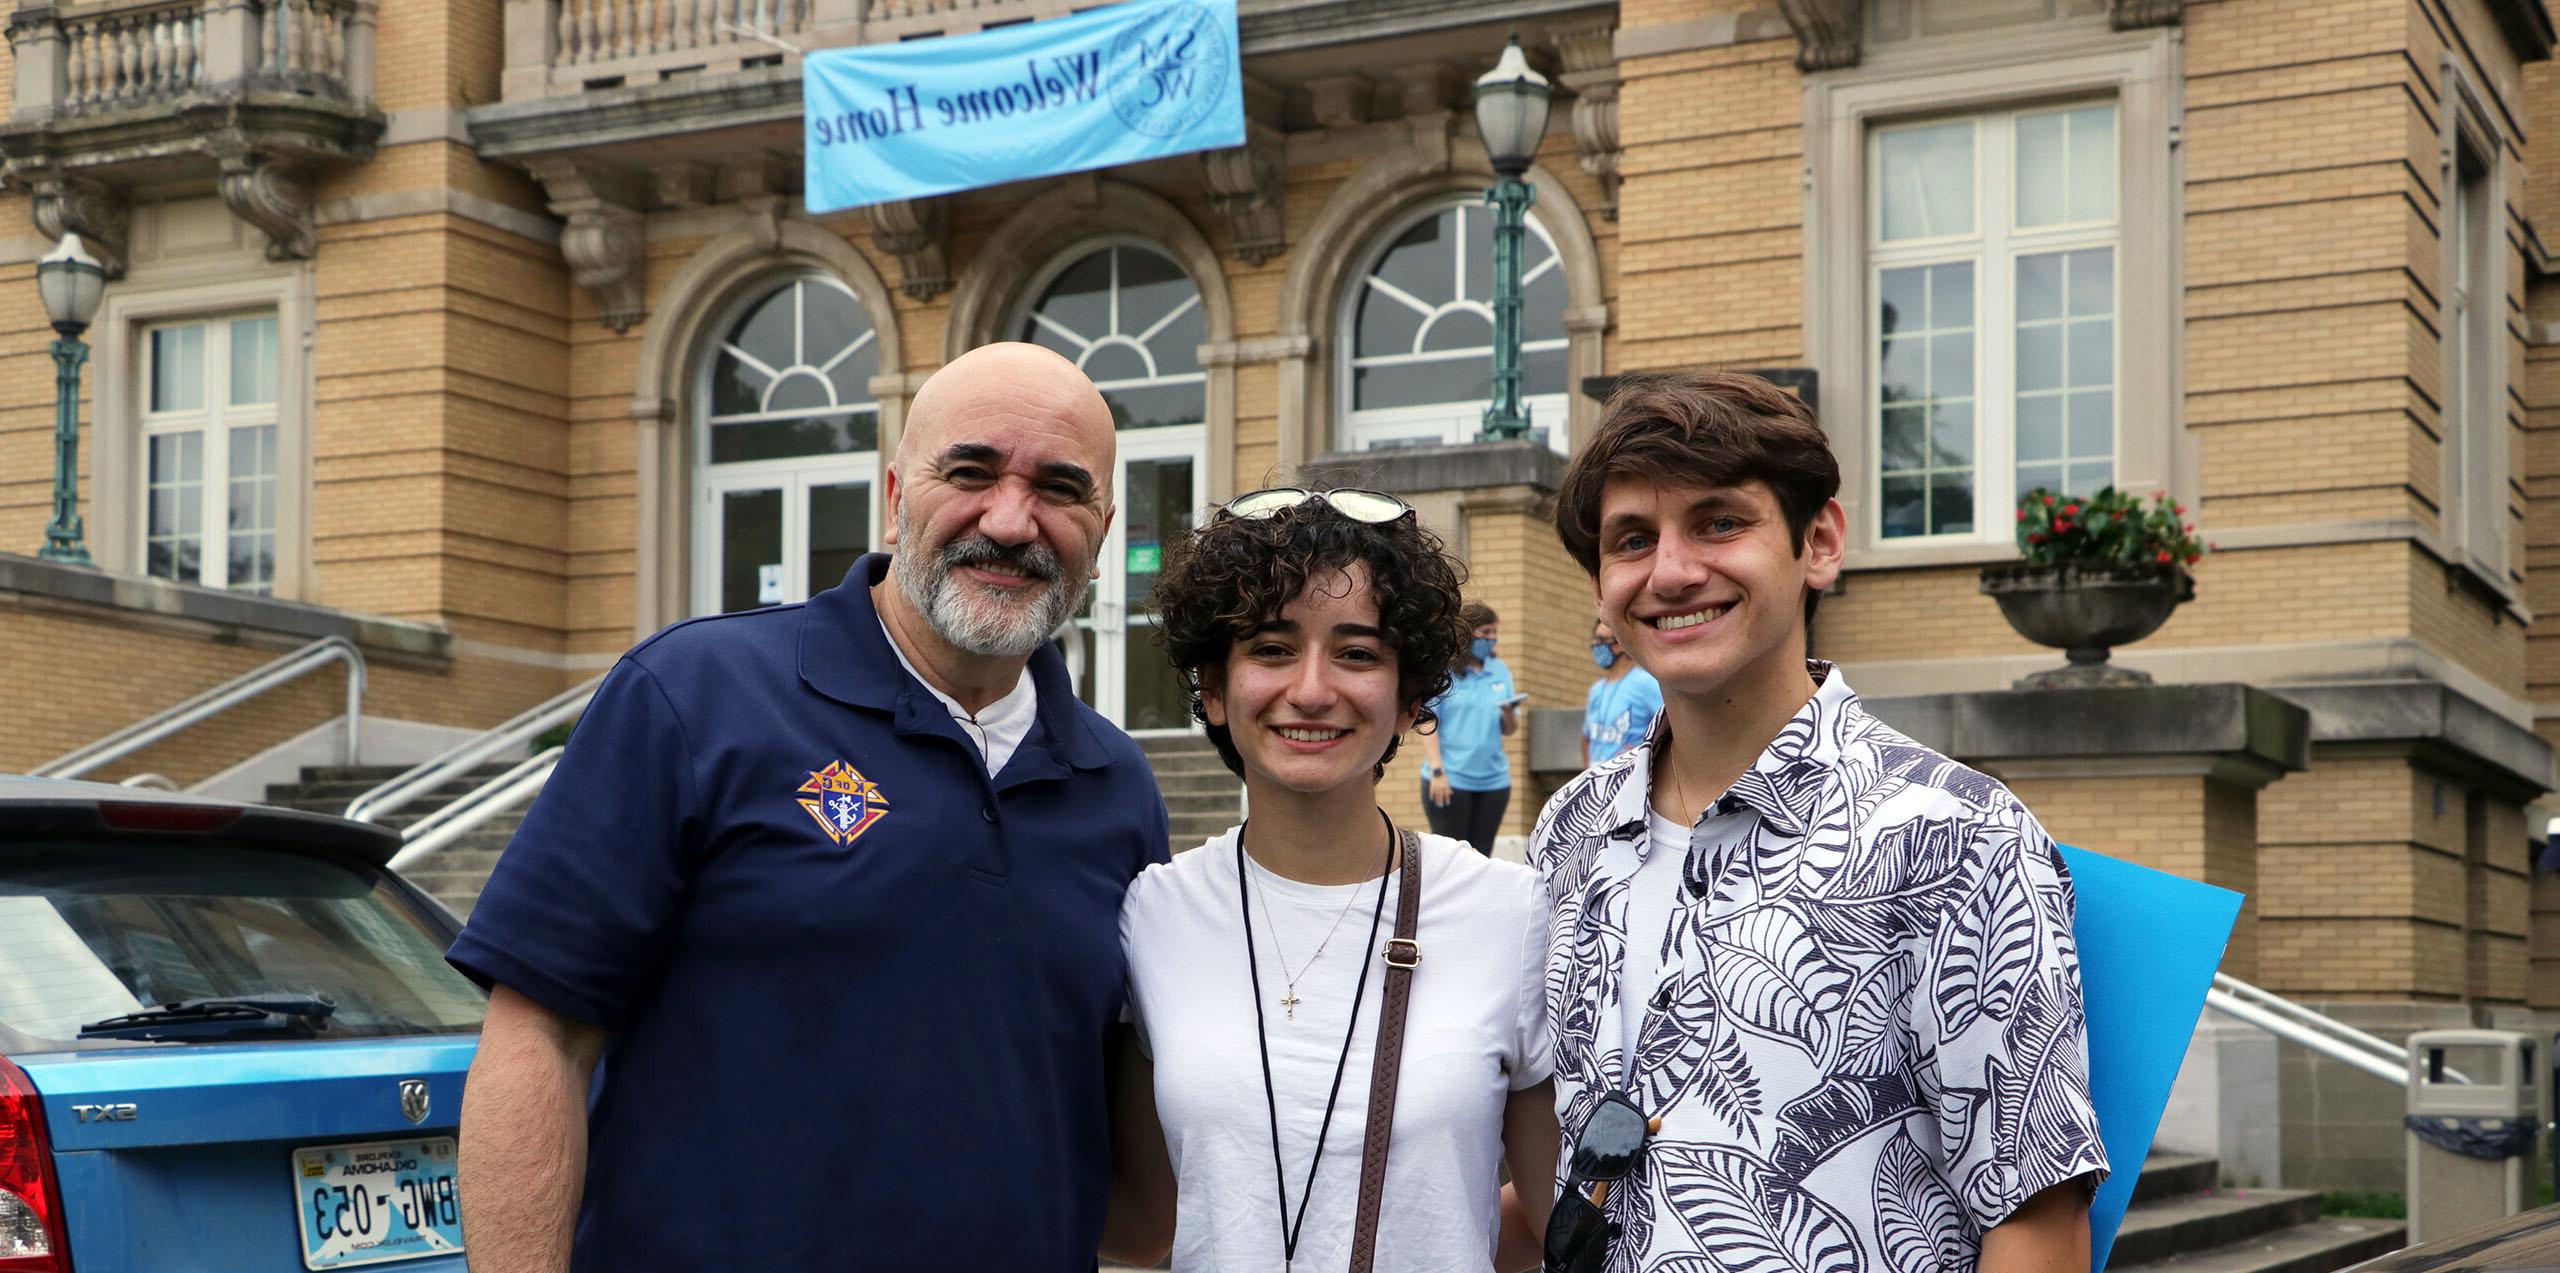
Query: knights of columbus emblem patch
x=843 y=801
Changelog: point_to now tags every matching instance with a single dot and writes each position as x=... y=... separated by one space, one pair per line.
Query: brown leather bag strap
x=1401 y=954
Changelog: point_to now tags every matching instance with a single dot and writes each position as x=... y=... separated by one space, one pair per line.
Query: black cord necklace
x=1290 y=1229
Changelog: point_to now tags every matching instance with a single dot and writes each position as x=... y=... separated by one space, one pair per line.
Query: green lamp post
x=1511 y=116
x=71 y=283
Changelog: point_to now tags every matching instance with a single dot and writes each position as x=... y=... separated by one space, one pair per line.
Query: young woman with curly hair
x=1311 y=629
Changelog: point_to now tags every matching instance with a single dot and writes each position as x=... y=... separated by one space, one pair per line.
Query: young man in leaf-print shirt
x=1834 y=964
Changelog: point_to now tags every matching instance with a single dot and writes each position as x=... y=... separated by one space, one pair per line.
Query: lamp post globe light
x=71 y=283
x=1511 y=116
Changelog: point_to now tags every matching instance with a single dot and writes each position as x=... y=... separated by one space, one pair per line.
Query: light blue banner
x=1130 y=81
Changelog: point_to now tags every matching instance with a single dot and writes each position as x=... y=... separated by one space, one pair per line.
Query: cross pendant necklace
x=1289 y=999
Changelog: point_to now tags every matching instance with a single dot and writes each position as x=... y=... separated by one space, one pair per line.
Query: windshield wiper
x=222 y=1016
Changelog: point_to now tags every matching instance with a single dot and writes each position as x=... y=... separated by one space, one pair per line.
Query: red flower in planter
x=2164 y=559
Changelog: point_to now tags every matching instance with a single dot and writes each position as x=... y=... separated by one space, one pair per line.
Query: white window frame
x=1113 y=621
x=120 y=503
x=2140 y=72
x=1438 y=423
x=792 y=475
x=213 y=420
x=2473 y=422
x=1993 y=247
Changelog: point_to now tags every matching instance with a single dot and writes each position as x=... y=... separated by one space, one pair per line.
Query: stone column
x=41 y=78
x=234 y=48
x=1492 y=502
x=532 y=43
x=2166 y=776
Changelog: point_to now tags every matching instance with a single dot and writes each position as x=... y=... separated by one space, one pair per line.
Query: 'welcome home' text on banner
x=1130 y=81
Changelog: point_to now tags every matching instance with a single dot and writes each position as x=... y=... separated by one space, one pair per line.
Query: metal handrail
x=437 y=770
x=231 y=693
x=450 y=823
x=2323 y=1034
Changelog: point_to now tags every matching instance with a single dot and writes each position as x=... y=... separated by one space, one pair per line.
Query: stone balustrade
x=117 y=55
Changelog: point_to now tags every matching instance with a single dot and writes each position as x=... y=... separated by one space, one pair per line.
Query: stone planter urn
x=2084 y=610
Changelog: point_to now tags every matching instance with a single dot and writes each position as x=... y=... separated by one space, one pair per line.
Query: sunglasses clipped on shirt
x=1374 y=508
x=1605 y=1152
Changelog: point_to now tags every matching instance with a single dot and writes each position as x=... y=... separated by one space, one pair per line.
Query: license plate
x=367 y=1204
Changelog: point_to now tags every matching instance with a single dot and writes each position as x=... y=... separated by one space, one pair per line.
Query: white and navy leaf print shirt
x=1866 y=1044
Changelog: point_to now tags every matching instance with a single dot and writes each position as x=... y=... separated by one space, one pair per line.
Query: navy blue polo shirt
x=858 y=991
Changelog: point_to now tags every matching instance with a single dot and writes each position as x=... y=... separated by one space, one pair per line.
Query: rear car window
x=94 y=929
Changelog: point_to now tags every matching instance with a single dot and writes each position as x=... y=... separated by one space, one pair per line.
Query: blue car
x=228 y=1040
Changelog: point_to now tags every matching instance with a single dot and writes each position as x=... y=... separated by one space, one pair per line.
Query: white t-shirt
x=1476 y=1030
x=1651 y=897
x=999 y=727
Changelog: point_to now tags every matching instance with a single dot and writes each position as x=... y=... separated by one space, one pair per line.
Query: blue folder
x=2149 y=944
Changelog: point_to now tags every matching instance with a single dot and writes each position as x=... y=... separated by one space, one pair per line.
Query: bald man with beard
x=805 y=957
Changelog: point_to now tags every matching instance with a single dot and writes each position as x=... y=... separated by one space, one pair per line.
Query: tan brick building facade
x=503 y=248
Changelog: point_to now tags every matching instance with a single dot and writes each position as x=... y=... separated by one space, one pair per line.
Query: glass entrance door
x=780 y=534
x=1111 y=648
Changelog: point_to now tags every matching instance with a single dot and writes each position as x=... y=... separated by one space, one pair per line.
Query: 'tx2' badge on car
x=843 y=801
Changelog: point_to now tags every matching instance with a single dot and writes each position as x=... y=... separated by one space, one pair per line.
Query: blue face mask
x=1603 y=655
x=1481 y=648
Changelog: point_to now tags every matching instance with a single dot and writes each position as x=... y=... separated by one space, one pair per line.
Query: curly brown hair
x=1223 y=581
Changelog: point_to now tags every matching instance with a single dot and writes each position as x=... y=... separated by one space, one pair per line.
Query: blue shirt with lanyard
x=1471 y=728
x=857 y=990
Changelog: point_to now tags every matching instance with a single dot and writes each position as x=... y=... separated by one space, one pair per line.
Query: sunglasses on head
x=1605 y=1151
x=1375 y=508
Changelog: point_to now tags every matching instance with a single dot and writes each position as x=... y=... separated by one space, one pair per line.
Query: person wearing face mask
x=1466 y=777
x=1621 y=705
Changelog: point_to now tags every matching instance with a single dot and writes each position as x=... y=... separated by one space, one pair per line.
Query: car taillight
x=31 y=1229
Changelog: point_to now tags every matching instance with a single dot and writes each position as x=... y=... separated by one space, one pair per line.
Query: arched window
x=1420 y=332
x=1131 y=319
x=789 y=441
x=792 y=376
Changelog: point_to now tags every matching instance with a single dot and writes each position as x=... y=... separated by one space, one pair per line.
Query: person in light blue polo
x=1466 y=776
x=1622 y=703
x=805 y=958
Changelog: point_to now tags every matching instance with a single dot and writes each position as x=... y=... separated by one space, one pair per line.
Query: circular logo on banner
x=1169 y=70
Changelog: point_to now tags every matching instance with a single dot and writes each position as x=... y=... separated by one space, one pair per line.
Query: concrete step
x=1201 y=783
x=338 y=793
x=2166 y=1176
x=1190 y=832
x=1223 y=803
x=2323 y=1245
x=352 y=773
x=2196 y=1222
x=1202 y=766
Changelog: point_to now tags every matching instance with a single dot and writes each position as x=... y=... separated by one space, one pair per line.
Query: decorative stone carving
x=604 y=243
x=1425 y=87
x=1246 y=184
x=1826 y=31
x=76 y=205
x=2127 y=15
x=913 y=230
x=273 y=194
x=1591 y=71
x=1340 y=101
x=682 y=185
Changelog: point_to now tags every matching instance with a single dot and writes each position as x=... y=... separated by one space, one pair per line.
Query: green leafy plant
x=2365 y=1204
x=2110 y=528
